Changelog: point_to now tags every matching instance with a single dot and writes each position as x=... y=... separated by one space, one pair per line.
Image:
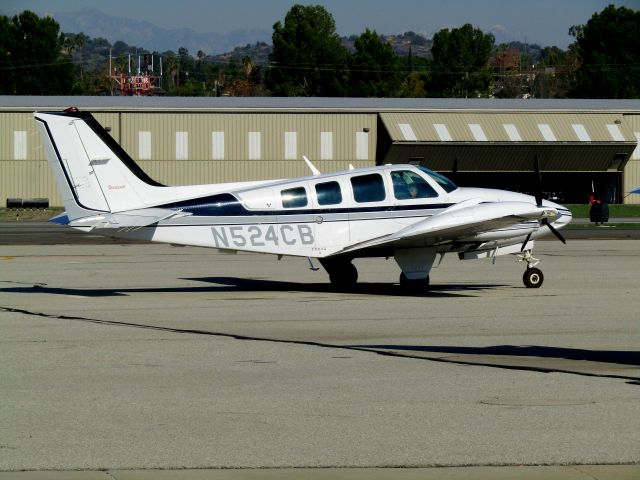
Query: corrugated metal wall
x=492 y=124
x=31 y=178
x=236 y=127
x=201 y=167
x=631 y=176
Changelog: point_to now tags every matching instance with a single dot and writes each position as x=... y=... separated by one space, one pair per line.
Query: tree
x=172 y=66
x=31 y=56
x=555 y=73
x=460 y=62
x=308 y=58
x=374 y=68
x=608 y=49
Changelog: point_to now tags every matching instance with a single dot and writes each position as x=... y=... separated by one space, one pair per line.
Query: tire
x=344 y=276
x=532 y=278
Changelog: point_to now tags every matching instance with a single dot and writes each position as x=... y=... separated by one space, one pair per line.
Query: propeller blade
x=538 y=186
x=526 y=240
x=553 y=229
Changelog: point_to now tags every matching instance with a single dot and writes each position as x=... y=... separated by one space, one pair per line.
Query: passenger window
x=294 y=197
x=328 y=193
x=408 y=185
x=368 y=188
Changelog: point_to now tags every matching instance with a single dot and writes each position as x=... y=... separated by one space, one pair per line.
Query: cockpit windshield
x=443 y=181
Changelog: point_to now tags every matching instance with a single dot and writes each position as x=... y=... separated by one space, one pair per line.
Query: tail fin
x=94 y=174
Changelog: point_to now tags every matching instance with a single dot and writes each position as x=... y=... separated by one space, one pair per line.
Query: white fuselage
x=267 y=220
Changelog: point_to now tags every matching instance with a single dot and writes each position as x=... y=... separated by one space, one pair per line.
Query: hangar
x=582 y=145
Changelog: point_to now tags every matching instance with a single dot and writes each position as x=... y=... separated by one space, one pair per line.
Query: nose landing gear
x=532 y=277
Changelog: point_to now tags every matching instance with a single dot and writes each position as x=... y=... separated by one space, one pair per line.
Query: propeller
x=538 y=185
x=545 y=221
x=538 y=197
x=454 y=170
x=526 y=240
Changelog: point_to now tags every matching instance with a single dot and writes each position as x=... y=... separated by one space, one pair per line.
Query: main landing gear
x=414 y=285
x=343 y=275
x=532 y=277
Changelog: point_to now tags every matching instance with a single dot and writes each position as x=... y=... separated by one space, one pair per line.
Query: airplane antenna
x=313 y=169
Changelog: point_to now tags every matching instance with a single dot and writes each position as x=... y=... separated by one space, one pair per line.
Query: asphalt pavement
x=122 y=359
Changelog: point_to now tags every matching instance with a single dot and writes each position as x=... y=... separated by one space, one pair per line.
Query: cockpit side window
x=294 y=197
x=328 y=193
x=408 y=185
x=368 y=188
x=447 y=185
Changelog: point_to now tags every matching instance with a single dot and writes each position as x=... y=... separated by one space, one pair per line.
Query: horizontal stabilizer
x=61 y=219
x=129 y=220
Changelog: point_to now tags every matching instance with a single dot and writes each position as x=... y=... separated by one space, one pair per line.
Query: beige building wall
x=505 y=127
x=261 y=136
x=178 y=148
x=632 y=170
x=24 y=172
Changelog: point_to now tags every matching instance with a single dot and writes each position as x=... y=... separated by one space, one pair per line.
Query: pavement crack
x=395 y=354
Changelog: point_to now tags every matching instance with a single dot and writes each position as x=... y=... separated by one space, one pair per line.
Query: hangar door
x=577 y=152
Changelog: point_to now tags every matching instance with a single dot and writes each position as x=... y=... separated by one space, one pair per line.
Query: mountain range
x=96 y=24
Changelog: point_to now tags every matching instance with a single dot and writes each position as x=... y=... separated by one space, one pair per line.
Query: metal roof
x=30 y=103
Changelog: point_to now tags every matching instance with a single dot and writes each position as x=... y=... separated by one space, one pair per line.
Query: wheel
x=343 y=276
x=416 y=285
x=532 y=278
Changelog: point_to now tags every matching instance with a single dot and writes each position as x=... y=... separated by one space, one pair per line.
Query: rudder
x=93 y=172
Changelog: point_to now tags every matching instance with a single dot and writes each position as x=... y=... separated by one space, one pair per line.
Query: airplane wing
x=458 y=221
x=128 y=220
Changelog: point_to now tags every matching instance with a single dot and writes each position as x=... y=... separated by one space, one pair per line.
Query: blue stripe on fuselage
x=225 y=204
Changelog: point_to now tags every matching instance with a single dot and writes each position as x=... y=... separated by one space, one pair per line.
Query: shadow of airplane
x=233 y=284
x=524 y=357
x=621 y=357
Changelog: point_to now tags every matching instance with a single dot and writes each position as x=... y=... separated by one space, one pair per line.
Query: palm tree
x=174 y=68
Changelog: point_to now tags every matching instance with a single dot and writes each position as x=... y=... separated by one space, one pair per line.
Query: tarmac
x=133 y=361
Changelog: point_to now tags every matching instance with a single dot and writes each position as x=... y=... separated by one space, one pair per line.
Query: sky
x=545 y=22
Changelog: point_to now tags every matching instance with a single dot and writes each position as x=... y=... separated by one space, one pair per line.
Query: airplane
x=407 y=212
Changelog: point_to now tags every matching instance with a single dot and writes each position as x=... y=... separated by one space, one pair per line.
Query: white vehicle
x=406 y=212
